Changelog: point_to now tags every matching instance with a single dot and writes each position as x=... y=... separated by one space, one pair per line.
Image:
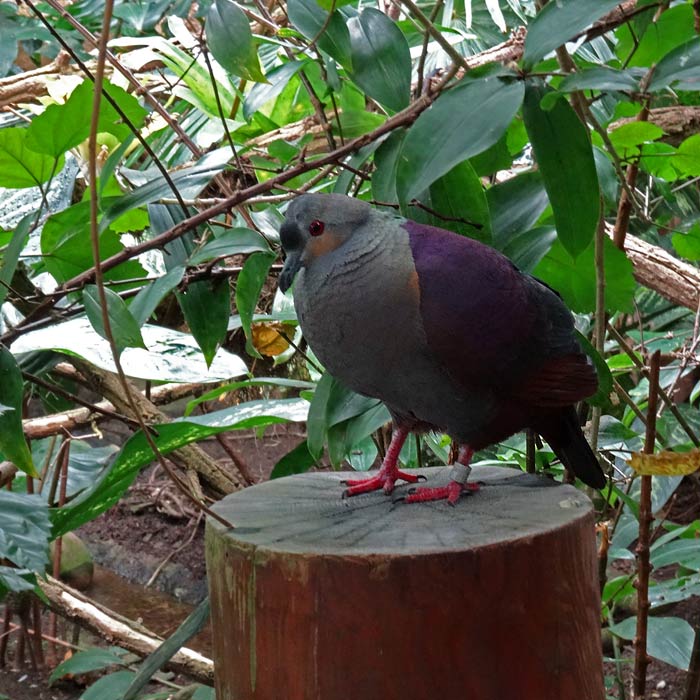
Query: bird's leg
x=457 y=486
x=389 y=472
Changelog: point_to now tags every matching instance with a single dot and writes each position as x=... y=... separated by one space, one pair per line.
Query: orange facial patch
x=325 y=243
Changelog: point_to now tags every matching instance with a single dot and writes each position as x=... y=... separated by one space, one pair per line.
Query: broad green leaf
x=171 y=356
x=602 y=78
x=206 y=306
x=558 y=22
x=526 y=249
x=687 y=158
x=685 y=552
x=19 y=165
x=146 y=301
x=24 y=530
x=125 y=329
x=231 y=41
x=478 y=112
x=575 y=279
x=669 y=639
x=629 y=137
x=189 y=182
x=136 y=453
x=493 y=159
x=194 y=622
x=88 y=660
x=8 y=260
x=565 y=158
x=359 y=427
x=343 y=404
x=456 y=201
x=355 y=122
x=331 y=35
x=248 y=287
x=381 y=61
x=680 y=68
x=110 y=687
x=234 y=241
x=317 y=424
x=15 y=580
x=386 y=160
x=687 y=245
x=295 y=461
x=12 y=443
x=515 y=206
x=363 y=455
x=672 y=28
x=262 y=93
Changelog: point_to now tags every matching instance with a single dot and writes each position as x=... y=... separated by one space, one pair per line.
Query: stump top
x=306 y=514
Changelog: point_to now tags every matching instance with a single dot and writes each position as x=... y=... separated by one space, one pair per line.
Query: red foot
x=383 y=480
x=451 y=492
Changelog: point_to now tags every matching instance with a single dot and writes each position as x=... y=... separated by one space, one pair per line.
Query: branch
x=119 y=630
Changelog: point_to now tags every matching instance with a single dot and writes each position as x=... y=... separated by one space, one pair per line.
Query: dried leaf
x=666 y=463
x=267 y=339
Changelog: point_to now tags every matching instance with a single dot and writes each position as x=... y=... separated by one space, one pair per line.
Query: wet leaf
x=666 y=463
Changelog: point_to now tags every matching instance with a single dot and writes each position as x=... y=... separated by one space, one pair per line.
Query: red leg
x=457 y=486
x=389 y=472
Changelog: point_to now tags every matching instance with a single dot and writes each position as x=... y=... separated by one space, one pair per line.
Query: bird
x=444 y=329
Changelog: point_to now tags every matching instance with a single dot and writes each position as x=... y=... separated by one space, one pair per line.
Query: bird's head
x=316 y=224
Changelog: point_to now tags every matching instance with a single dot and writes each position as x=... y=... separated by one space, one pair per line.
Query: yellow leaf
x=267 y=339
x=666 y=463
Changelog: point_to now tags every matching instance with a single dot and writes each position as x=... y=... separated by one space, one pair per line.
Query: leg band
x=460 y=473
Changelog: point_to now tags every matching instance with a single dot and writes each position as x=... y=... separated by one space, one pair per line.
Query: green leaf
x=19 y=165
x=386 y=160
x=478 y=111
x=602 y=78
x=262 y=93
x=687 y=158
x=317 y=425
x=558 y=22
x=332 y=35
x=231 y=42
x=515 y=206
x=673 y=27
x=575 y=279
x=206 y=306
x=669 y=639
x=565 y=158
x=295 y=461
x=679 y=68
x=526 y=249
x=88 y=660
x=8 y=260
x=194 y=622
x=629 y=137
x=16 y=580
x=111 y=687
x=381 y=60
x=125 y=329
x=687 y=245
x=24 y=530
x=137 y=453
x=236 y=241
x=146 y=301
x=248 y=287
x=12 y=443
x=456 y=201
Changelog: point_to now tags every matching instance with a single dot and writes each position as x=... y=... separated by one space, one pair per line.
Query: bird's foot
x=385 y=479
x=451 y=493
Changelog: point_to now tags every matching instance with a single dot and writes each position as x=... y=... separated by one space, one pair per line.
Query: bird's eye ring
x=316 y=227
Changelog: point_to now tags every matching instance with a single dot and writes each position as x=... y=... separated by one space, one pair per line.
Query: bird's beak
x=289 y=271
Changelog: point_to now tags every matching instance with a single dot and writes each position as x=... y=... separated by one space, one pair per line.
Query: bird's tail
x=573 y=450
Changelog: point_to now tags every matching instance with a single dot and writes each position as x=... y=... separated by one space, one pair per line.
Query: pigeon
x=443 y=329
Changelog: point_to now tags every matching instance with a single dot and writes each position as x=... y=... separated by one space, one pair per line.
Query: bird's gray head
x=316 y=224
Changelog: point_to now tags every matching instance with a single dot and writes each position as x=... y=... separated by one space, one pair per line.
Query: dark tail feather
x=573 y=450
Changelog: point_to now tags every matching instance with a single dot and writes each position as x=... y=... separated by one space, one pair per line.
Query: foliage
x=534 y=151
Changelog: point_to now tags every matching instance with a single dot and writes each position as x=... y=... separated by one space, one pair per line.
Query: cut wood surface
x=366 y=598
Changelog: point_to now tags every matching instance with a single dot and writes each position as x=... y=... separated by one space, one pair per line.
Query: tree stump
x=368 y=598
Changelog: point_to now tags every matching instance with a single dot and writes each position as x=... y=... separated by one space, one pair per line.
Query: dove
x=443 y=329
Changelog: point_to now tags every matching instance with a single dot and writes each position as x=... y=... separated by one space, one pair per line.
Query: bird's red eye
x=316 y=227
